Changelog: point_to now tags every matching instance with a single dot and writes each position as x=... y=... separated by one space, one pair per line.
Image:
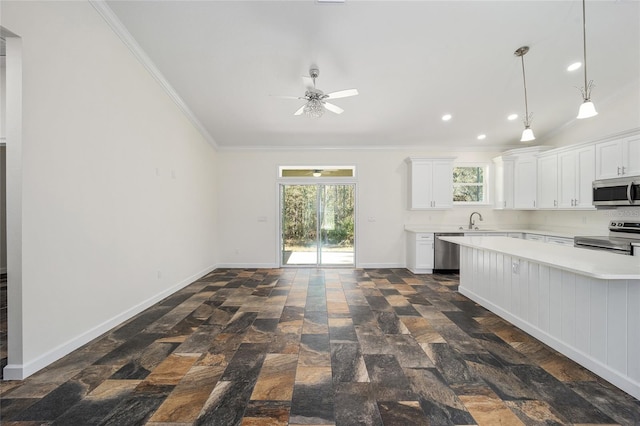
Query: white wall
x=118 y=195
x=3 y=171
x=3 y=89
x=3 y=210
x=248 y=191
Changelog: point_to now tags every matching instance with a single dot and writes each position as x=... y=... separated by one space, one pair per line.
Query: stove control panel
x=620 y=226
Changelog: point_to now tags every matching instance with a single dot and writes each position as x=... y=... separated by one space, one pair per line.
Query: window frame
x=486 y=185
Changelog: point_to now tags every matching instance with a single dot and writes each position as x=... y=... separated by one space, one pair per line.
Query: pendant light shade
x=527 y=133
x=587 y=109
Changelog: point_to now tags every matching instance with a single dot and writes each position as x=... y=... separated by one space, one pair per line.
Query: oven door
x=617 y=192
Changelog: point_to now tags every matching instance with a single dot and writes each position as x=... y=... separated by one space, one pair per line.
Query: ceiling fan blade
x=333 y=108
x=342 y=94
x=300 y=111
x=287 y=97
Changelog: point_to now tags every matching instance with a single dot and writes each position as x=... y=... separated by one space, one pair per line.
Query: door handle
x=631 y=201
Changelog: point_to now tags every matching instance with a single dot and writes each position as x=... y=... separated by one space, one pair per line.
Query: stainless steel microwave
x=622 y=191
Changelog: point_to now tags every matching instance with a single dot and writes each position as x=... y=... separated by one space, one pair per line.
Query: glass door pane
x=336 y=218
x=318 y=225
x=299 y=215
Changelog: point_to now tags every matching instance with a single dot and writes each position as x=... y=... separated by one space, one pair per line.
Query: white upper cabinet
x=430 y=183
x=524 y=188
x=504 y=180
x=548 y=182
x=565 y=179
x=576 y=173
x=618 y=158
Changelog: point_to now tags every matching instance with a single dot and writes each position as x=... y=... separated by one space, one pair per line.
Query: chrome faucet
x=471 y=222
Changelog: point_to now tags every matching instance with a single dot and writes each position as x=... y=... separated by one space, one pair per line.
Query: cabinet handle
x=623 y=172
x=618 y=170
x=575 y=202
x=534 y=203
x=555 y=203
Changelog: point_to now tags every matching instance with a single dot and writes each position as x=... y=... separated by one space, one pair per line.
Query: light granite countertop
x=596 y=264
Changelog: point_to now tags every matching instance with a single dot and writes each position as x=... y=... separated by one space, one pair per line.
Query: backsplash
x=595 y=222
x=459 y=216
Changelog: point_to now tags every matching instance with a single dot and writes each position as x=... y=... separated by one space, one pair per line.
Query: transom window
x=317 y=171
x=469 y=184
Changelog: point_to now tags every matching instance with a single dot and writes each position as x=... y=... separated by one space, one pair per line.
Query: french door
x=317 y=224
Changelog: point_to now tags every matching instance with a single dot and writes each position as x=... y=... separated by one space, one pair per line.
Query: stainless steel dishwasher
x=446 y=255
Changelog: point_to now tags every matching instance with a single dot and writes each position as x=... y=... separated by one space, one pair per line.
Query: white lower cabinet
x=534 y=237
x=559 y=240
x=420 y=247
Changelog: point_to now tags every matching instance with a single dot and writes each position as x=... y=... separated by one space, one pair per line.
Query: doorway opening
x=317 y=223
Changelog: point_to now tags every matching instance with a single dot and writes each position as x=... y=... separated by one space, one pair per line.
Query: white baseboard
x=22 y=371
x=248 y=265
x=381 y=266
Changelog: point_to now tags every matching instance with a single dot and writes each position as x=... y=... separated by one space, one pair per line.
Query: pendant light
x=587 y=109
x=527 y=133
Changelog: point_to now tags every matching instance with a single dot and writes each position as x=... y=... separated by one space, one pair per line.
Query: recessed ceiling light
x=481 y=137
x=512 y=117
x=446 y=117
x=574 y=66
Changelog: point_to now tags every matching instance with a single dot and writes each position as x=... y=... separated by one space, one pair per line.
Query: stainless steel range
x=623 y=238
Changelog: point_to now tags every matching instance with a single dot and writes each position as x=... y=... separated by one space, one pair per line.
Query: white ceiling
x=412 y=61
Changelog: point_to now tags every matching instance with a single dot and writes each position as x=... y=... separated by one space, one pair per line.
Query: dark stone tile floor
x=315 y=346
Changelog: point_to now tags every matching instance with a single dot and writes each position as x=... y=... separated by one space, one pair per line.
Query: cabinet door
x=503 y=185
x=509 y=181
x=585 y=175
x=548 y=182
x=631 y=156
x=421 y=185
x=442 y=184
x=424 y=254
x=608 y=159
x=567 y=173
x=525 y=183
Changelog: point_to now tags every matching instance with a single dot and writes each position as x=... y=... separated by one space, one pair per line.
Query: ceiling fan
x=316 y=98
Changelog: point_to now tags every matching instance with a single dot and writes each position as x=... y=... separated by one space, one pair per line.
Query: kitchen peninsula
x=583 y=303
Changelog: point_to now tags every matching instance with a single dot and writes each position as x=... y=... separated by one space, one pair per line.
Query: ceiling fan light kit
x=316 y=98
x=587 y=108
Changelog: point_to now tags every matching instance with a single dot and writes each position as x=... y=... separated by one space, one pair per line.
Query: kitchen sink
x=475 y=229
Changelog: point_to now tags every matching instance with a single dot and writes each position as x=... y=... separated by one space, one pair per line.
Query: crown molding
x=438 y=148
x=118 y=27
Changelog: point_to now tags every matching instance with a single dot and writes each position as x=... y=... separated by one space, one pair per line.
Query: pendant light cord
x=587 y=95
x=526 y=107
